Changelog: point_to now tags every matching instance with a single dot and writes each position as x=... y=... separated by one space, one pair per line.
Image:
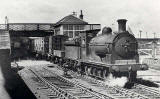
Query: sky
x=142 y=15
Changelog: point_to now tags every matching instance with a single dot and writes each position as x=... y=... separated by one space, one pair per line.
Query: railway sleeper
x=53 y=95
x=116 y=94
x=65 y=93
x=122 y=97
x=151 y=92
x=85 y=96
x=59 y=91
x=65 y=87
x=62 y=84
x=77 y=91
x=144 y=92
x=70 y=89
x=57 y=83
x=79 y=94
x=41 y=85
x=113 y=92
x=45 y=87
x=152 y=96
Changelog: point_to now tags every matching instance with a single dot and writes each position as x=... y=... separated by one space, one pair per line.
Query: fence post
x=7 y=26
x=37 y=26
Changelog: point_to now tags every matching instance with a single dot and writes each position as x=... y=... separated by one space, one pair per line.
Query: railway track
x=105 y=90
x=84 y=87
x=63 y=89
x=141 y=90
x=147 y=91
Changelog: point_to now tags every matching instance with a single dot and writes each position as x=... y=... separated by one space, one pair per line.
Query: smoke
x=32 y=62
x=112 y=81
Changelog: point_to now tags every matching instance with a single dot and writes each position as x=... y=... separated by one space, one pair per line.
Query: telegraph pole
x=154 y=45
x=146 y=35
x=140 y=33
x=154 y=35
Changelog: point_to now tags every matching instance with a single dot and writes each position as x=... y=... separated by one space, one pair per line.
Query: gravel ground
x=150 y=75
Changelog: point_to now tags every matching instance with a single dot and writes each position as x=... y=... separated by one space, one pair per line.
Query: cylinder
x=121 y=25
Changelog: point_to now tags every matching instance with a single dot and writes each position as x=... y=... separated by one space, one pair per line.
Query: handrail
x=27 y=26
x=40 y=26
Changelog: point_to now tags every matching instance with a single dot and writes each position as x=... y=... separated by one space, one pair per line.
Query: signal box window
x=65 y=27
x=70 y=27
x=77 y=33
x=65 y=33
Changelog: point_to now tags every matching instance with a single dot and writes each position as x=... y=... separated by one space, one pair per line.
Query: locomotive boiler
x=108 y=53
x=118 y=48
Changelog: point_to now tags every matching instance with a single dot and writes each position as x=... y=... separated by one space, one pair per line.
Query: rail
x=147 y=91
x=65 y=88
x=113 y=92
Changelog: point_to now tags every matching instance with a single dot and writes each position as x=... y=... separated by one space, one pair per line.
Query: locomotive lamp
x=130 y=68
x=144 y=67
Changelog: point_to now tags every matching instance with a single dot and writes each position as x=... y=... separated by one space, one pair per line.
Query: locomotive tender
x=108 y=53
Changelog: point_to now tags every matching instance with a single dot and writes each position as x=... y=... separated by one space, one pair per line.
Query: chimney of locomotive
x=81 y=15
x=121 y=25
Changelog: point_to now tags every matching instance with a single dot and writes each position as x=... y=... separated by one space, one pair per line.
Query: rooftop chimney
x=121 y=25
x=74 y=13
x=81 y=15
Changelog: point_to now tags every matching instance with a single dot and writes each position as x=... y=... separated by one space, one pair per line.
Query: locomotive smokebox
x=121 y=25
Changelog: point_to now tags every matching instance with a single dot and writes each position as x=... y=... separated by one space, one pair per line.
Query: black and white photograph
x=79 y=49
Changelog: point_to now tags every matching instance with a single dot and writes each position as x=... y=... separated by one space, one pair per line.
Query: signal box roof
x=71 y=19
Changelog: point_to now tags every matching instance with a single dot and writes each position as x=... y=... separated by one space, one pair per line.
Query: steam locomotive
x=99 y=56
